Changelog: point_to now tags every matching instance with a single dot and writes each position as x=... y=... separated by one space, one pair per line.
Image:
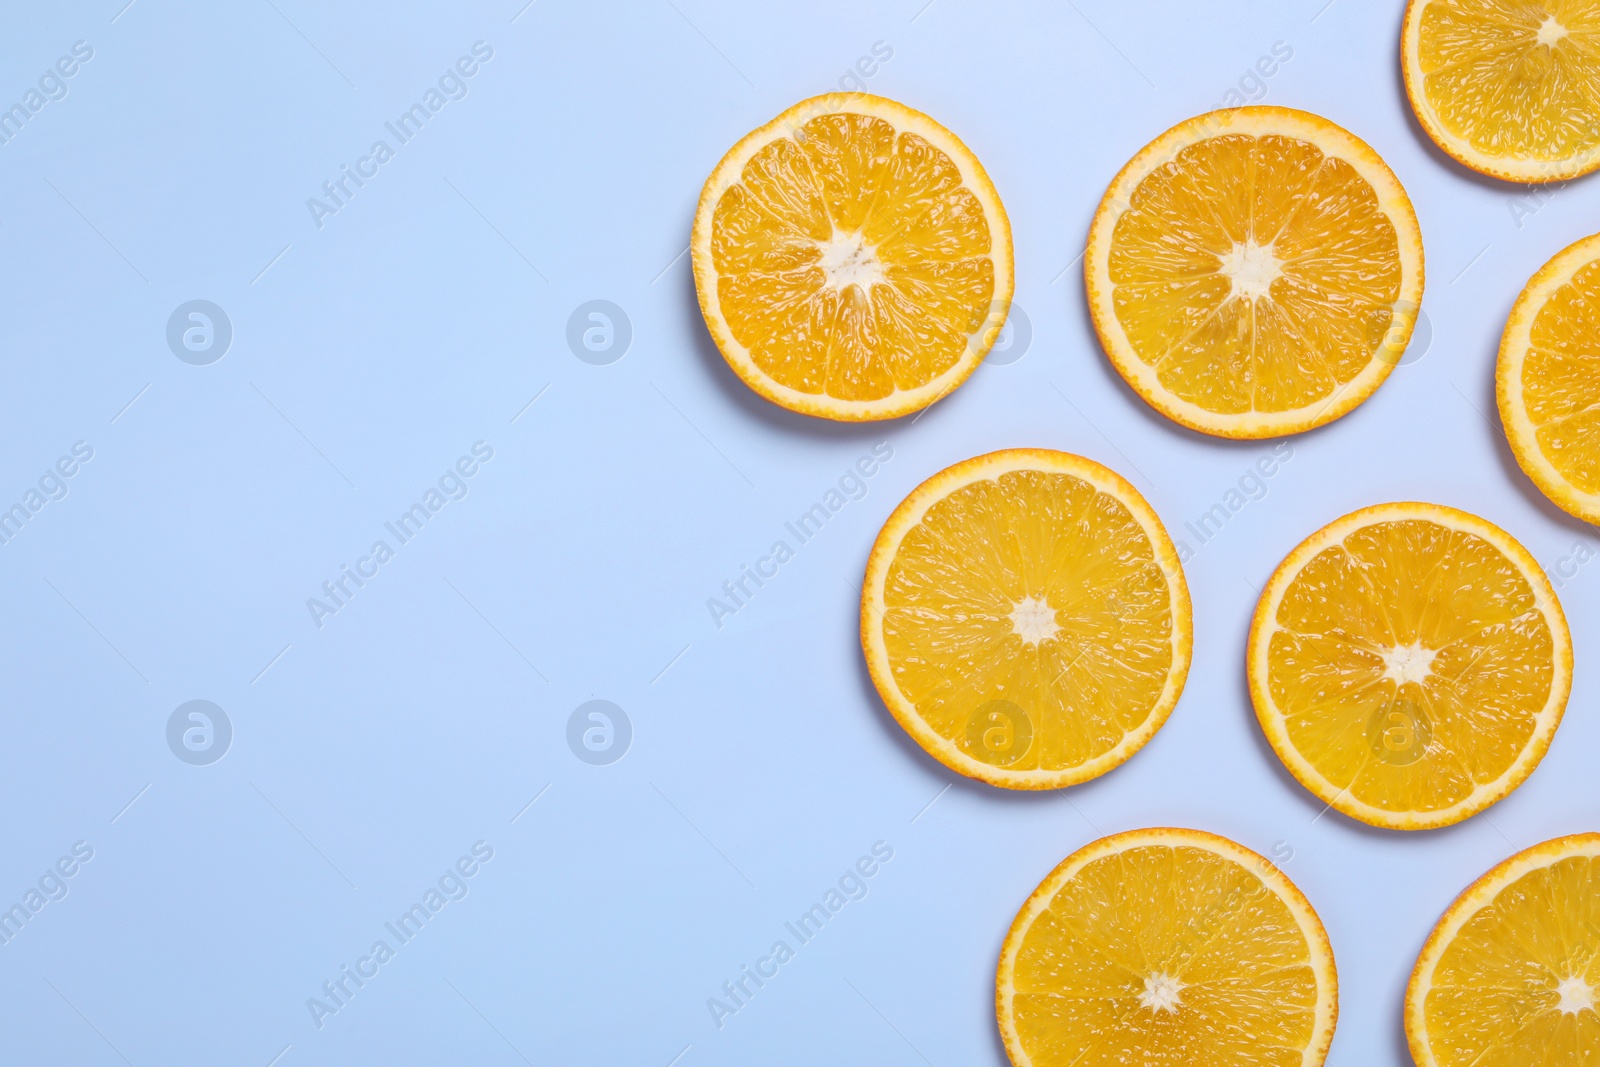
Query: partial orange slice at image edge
x=1507 y=89
x=1547 y=379
x=1166 y=946
x=1509 y=974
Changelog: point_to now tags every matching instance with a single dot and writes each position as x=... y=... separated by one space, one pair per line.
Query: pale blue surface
x=415 y=722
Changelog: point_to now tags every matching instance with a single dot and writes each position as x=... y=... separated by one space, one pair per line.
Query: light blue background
x=425 y=715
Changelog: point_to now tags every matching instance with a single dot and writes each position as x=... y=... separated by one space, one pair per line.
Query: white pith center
x=1251 y=268
x=1576 y=995
x=848 y=260
x=1161 y=993
x=1551 y=31
x=1033 y=620
x=1408 y=663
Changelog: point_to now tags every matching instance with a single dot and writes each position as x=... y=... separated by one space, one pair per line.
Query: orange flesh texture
x=925 y=243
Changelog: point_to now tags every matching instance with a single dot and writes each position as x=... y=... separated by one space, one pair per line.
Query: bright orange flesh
x=1409 y=665
x=1025 y=618
x=1509 y=977
x=1254 y=272
x=854 y=257
x=1547 y=378
x=1510 y=87
x=1311 y=231
x=1166 y=947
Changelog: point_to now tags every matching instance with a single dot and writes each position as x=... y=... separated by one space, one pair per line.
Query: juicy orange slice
x=1409 y=664
x=1548 y=379
x=1025 y=618
x=1254 y=272
x=852 y=259
x=1511 y=88
x=1172 y=947
x=1509 y=976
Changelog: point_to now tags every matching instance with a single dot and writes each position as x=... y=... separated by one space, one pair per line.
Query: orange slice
x=1171 y=947
x=1025 y=618
x=1511 y=88
x=852 y=259
x=1409 y=663
x=1548 y=379
x=1254 y=272
x=1508 y=977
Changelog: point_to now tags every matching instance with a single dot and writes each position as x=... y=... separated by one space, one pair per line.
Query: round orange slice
x=852 y=259
x=1025 y=618
x=1509 y=976
x=1409 y=663
x=1254 y=272
x=1548 y=379
x=1510 y=88
x=1165 y=946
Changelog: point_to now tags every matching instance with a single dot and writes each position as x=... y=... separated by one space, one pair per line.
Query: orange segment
x=1254 y=272
x=1548 y=379
x=852 y=259
x=1509 y=88
x=1025 y=618
x=1409 y=663
x=1509 y=976
x=1166 y=946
